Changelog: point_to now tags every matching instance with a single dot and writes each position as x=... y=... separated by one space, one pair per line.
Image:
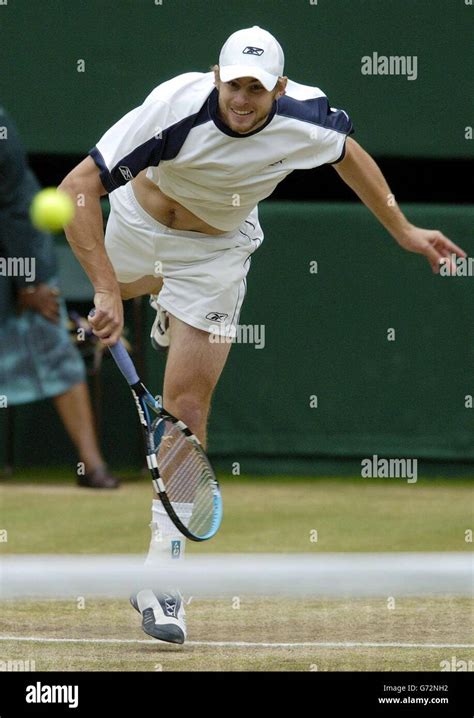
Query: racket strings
x=187 y=477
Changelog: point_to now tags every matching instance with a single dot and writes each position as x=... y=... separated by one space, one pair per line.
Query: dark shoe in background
x=100 y=478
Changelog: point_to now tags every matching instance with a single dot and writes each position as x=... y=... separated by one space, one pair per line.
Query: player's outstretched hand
x=107 y=321
x=434 y=245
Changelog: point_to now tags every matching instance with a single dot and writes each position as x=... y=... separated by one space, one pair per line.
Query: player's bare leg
x=192 y=371
x=144 y=285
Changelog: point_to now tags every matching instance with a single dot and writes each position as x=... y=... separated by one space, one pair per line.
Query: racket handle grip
x=122 y=359
x=124 y=363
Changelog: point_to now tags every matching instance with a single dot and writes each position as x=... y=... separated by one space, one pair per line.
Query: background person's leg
x=74 y=408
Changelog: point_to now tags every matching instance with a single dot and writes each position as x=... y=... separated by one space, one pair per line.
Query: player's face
x=244 y=103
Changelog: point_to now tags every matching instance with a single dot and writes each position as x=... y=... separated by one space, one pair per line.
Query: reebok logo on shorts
x=216 y=316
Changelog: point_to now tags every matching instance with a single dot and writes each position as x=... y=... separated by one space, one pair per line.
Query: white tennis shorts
x=204 y=276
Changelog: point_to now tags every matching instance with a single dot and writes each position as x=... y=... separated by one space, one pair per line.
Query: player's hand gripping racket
x=181 y=473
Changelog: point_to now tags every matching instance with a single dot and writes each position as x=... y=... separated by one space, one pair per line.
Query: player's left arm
x=360 y=172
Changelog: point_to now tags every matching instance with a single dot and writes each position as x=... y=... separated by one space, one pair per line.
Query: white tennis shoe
x=160 y=336
x=163 y=614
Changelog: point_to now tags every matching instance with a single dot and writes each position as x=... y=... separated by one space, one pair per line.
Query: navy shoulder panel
x=163 y=146
x=315 y=111
x=174 y=137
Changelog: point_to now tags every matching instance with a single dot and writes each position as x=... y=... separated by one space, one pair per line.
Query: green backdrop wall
x=130 y=46
x=326 y=336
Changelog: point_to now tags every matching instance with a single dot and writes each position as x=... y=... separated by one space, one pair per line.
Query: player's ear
x=217 y=78
x=281 y=86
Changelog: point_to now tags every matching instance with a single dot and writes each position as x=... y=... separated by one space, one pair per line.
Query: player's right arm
x=132 y=144
x=85 y=234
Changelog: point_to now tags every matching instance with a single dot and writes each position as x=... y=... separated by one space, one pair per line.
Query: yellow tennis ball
x=51 y=209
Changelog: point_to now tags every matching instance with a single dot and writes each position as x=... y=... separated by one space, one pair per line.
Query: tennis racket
x=181 y=472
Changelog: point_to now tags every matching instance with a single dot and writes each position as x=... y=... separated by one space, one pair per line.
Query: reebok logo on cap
x=253 y=51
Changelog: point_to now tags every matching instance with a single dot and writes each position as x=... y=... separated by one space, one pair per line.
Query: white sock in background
x=167 y=542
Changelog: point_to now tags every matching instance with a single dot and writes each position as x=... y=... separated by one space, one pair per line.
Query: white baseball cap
x=252 y=52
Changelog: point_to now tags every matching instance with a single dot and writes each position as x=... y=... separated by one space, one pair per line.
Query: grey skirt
x=37 y=358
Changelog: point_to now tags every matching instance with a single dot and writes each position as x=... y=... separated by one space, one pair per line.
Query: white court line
x=239 y=644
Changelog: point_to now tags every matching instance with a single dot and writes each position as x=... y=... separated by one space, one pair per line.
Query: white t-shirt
x=197 y=160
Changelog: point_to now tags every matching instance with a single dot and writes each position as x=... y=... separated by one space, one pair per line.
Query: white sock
x=167 y=542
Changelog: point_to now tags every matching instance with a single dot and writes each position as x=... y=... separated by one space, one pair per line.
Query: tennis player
x=185 y=172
